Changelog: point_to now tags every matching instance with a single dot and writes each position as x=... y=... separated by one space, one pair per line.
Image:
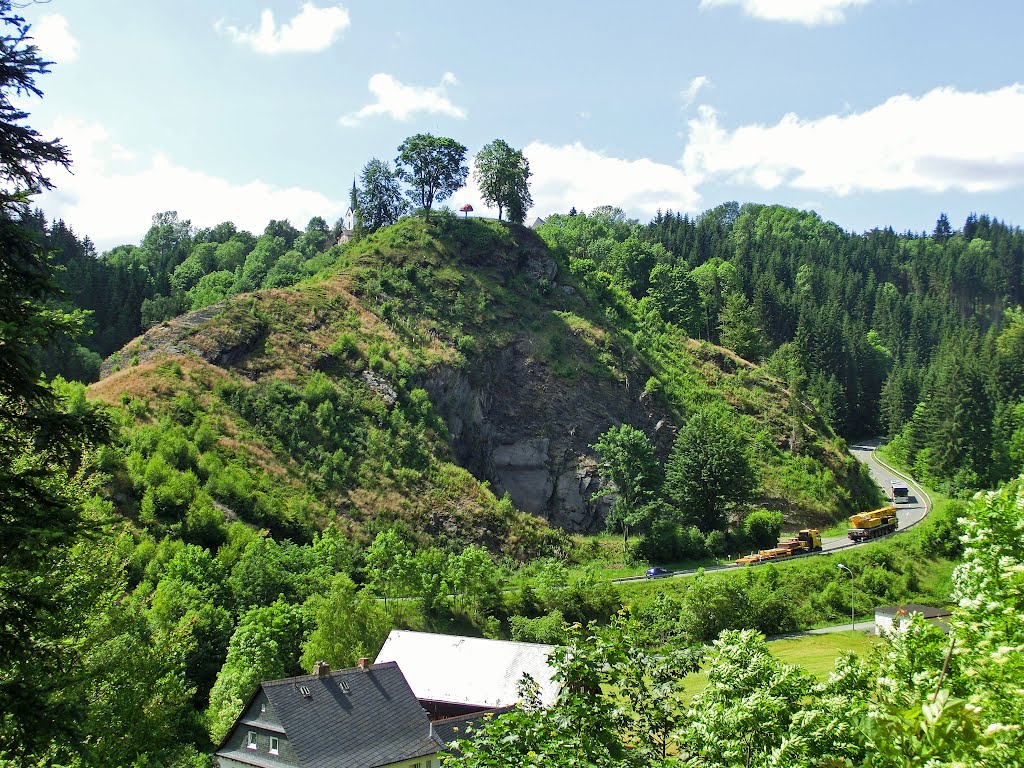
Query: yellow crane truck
x=871 y=525
x=808 y=540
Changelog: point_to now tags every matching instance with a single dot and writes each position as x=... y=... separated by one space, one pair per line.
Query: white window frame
x=252 y=740
x=275 y=745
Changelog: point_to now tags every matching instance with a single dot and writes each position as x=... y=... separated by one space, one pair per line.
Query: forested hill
x=426 y=359
x=915 y=336
x=919 y=337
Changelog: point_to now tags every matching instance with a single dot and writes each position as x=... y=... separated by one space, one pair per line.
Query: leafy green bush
x=549 y=628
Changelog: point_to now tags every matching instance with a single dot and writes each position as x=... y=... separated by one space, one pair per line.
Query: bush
x=762 y=528
x=715 y=543
x=545 y=629
x=587 y=599
x=941 y=538
x=692 y=543
x=712 y=605
x=659 y=618
x=662 y=542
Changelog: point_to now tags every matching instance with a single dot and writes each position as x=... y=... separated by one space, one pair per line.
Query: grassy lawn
x=815 y=653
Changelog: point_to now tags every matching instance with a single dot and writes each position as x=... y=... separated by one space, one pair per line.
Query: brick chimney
x=321 y=669
x=364 y=663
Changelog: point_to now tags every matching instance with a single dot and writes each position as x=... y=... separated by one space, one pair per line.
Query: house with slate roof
x=365 y=717
x=454 y=676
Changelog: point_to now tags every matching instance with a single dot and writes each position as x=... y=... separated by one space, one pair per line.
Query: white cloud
x=690 y=92
x=945 y=139
x=54 y=39
x=401 y=101
x=114 y=193
x=313 y=29
x=808 y=12
x=574 y=176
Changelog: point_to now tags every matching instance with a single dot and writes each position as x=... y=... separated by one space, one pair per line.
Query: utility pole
x=853 y=615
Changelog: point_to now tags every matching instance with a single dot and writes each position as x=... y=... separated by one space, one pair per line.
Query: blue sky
x=870 y=112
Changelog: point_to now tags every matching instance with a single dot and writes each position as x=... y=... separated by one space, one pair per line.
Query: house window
x=273 y=745
x=250 y=740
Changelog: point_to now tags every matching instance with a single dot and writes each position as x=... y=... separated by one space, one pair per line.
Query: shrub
x=762 y=528
x=716 y=543
x=549 y=628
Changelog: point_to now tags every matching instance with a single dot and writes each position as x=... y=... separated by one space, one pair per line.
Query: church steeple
x=350 y=214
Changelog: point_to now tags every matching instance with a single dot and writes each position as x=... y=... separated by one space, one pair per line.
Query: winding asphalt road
x=908 y=514
x=920 y=505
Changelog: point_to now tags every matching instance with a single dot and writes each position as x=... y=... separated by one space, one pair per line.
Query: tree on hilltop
x=379 y=200
x=433 y=166
x=503 y=175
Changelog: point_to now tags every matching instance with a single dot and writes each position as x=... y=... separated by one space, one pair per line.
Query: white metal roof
x=468 y=670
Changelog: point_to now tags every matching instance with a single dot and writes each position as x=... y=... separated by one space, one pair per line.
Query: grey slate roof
x=455 y=728
x=378 y=721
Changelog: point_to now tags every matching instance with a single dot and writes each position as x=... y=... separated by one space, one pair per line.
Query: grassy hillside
x=386 y=388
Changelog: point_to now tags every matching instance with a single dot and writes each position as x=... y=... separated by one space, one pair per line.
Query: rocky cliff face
x=528 y=432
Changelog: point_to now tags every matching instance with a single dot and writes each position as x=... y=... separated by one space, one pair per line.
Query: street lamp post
x=853 y=616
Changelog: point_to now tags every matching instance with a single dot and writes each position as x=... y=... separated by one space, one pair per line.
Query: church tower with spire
x=350 y=214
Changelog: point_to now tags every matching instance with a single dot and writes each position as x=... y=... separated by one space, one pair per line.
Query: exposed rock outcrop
x=529 y=432
x=225 y=345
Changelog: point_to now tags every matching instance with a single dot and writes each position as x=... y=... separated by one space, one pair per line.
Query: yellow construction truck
x=808 y=540
x=871 y=525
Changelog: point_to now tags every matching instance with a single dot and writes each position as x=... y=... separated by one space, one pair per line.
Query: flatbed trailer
x=808 y=540
x=874 y=524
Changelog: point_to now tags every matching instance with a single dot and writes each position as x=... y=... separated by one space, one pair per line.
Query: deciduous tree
x=390 y=565
x=629 y=463
x=349 y=625
x=264 y=647
x=503 y=174
x=379 y=199
x=433 y=166
x=709 y=471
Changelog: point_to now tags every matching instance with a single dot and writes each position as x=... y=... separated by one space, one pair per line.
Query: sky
x=872 y=113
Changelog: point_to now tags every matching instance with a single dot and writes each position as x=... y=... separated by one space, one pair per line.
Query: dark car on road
x=654 y=573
